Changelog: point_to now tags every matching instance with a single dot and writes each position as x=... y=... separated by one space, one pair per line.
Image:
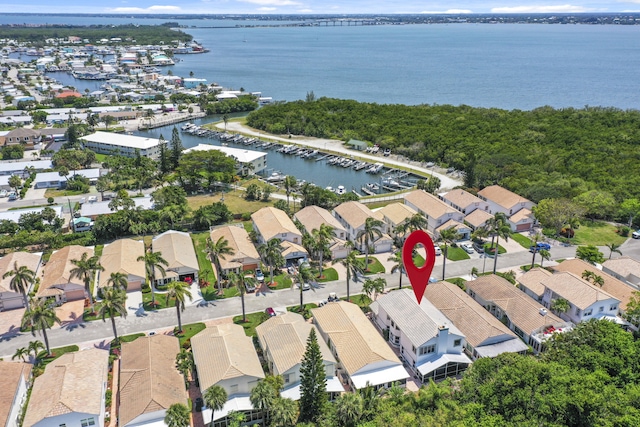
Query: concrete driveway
x=134 y=303
x=10 y=322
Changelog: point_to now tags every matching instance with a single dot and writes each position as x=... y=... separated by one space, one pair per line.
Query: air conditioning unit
x=543 y=311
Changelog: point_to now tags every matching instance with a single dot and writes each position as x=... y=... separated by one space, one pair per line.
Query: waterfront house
x=283 y=340
x=177 y=249
x=364 y=357
x=464 y=201
x=618 y=289
x=625 y=269
x=149 y=382
x=247 y=161
x=435 y=210
x=70 y=392
x=123 y=145
x=531 y=283
x=10 y=299
x=509 y=203
x=224 y=356
x=533 y=323
x=55 y=180
x=245 y=256
x=121 y=256
x=16 y=380
x=586 y=301
x=485 y=335
x=271 y=223
x=312 y=217
x=353 y=216
x=426 y=340
x=56 y=280
x=395 y=214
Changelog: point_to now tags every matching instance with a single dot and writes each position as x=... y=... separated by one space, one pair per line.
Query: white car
x=437 y=249
x=3 y=193
x=92 y=199
x=636 y=234
x=467 y=247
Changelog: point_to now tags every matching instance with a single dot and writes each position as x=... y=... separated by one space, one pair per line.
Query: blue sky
x=316 y=6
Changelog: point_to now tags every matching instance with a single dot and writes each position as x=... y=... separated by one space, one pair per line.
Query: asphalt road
x=203 y=310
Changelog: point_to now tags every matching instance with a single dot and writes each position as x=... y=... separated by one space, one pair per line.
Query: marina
x=338 y=173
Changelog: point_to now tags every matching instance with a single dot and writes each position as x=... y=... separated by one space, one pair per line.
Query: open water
x=509 y=66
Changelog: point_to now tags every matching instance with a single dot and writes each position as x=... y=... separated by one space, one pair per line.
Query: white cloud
x=305 y=10
x=272 y=2
x=448 y=12
x=561 y=8
x=150 y=9
x=267 y=9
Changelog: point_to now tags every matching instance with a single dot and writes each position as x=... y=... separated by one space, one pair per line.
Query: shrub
x=50 y=200
x=624 y=231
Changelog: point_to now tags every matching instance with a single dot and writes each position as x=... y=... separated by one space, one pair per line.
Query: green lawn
x=488 y=249
x=204 y=264
x=455 y=254
x=306 y=313
x=101 y=158
x=283 y=281
x=189 y=331
x=524 y=241
x=328 y=275
x=374 y=267
x=597 y=233
x=132 y=337
x=361 y=301
x=161 y=301
x=55 y=353
x=61 y=193
x=253 y=320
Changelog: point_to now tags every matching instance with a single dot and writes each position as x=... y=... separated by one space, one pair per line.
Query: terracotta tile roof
x=224 y=352
x=272 y=222
x=397 y=213
x=477 y=324
x=177 y=249
x=354 y=213
x=314 y=216
x=31 y=261
x=478 y=218
x=522 y=214
x=289 y=248
x=121 y=256
x=461 y=198
x=11 y=374
x=149 y=380
x=575 y=290
x=284 y=338
x=419 y=323
x=74 y=382
x=501 y=196
x=523 y=311
x=617 y=288
x=452 y=223
x=58 y=270
x=239 y=241
x=624 y=266
x=533 y=278
x=432 y=206
x=355 y=339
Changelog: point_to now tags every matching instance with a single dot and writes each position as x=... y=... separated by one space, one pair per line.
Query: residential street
x=92 y=332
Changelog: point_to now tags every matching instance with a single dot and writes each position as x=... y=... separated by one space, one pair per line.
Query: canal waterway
x=318 y=172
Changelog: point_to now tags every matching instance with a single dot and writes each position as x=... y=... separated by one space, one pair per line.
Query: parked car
x=259 y=275
x=433 y=280
x=635 y=234
x=82 y=200
x=270 y=311
x=467 y=247
x=305 y=286
x=199 y=403
x=478 y=247
x=539 y=246
x=3 y=193
x=387 y=152
x=437 y=249
x=92 y=199
x=249 y=286
x=332 y=297
x=13 y=196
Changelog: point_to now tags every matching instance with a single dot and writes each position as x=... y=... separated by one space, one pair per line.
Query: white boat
x=340 y=190
x=275 y=177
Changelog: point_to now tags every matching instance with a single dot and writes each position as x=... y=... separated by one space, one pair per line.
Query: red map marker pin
x=418 y=276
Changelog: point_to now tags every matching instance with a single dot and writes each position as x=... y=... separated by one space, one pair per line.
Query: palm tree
x=349 y=409
x=118 y=281
x=241 y=282
x=21 y=280
x=588 y=275
x=322 y=237
x=271 y=253
x=501 y=229
x=544 y=255
x=85 y=270
x=369 y=233
x=225 y=119
x=560 y=305
x=215 y=251
x=398 y=266
x=289 y=183
x=179 y=291
x=262 y=398
x=113 y=304
x=184 y=364
x=21 y=353
x=215 y=397
x=177 y=415
x=41 y=315
x=153 y=261
x=284 y=412
x=598 y=280
x=416 y=222
x=304 y=275
x=352 y=264
x=372 y=286
x=35 y=347
x=448 y=236
x=536 y=238
x=613 y=247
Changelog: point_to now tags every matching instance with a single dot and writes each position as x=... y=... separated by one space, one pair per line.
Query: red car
x=270 y=312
